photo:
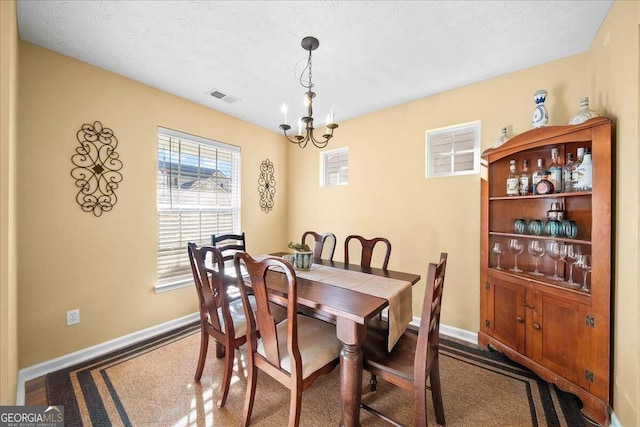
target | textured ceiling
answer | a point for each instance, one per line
(372, 54)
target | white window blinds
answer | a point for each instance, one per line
(453, 151)
(198, 194)
(334, 167)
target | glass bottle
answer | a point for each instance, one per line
(512, 180)
(538, 174)
(585, 176)
(574, 169)
(555, 171)
(524, 181)
(567, 175)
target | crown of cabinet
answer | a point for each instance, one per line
(545, 136)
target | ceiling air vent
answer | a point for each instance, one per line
(229, 99)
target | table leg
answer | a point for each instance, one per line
(351, 335)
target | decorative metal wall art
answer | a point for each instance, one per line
(97, 168)
(266, 185)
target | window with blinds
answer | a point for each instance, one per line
(334, 167)
(454, 150)
(198, 192)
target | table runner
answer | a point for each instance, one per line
(397, 292)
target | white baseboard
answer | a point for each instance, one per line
(88, 353)
(451, 331)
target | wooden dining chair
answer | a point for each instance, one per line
(367, 250)
(320, 240)
(413, 359)
(296, 351)
(220, 318)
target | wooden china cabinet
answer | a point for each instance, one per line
(559, 331)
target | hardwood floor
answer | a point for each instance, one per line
(35, 392)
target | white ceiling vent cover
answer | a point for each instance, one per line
(229, 99)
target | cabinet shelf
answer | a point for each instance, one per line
(531, 236)
(543, 196)
(541, 280)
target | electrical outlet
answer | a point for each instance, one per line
(73, 317)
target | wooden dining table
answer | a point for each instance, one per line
(351, 311)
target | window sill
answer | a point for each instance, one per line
(172, 286)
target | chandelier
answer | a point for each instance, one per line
(305, 123)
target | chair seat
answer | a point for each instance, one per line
(317, 342)
(239, 319)
(401, 358)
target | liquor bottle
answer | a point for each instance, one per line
(538, 174)
(574, 169)
(524, 181)
(567, 175)
(555, 171)
(512, 180)
(585, 177)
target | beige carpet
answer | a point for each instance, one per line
(151, 384)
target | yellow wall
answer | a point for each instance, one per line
(8, 262)
(389, 196)
(106, 266)
(612, 76)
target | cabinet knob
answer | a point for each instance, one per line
(528, 305)
(519, 319)
(536, 326)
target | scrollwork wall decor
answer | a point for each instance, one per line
(97, 168)
(266, 185)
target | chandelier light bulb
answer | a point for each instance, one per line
(284, 113)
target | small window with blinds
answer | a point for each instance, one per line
(334, 167)
(198, 194)
(454, 150)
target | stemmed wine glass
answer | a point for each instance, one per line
(536, 249)
(569, 254)
(498, 250)
(553, 250)
(515, 247)
(584, 263)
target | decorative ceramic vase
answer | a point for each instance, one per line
(302, 260)
(502, 138)
(584, 113)
(540, 115)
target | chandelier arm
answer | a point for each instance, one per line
(299, 142)
(317, 143)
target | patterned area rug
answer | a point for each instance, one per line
(151, 384)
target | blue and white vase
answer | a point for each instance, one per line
(302, 260)
(540, 115)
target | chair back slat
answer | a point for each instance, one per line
(229, 244)
(319, 243)
(368, 246)
(210, 287)
(260, 272)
